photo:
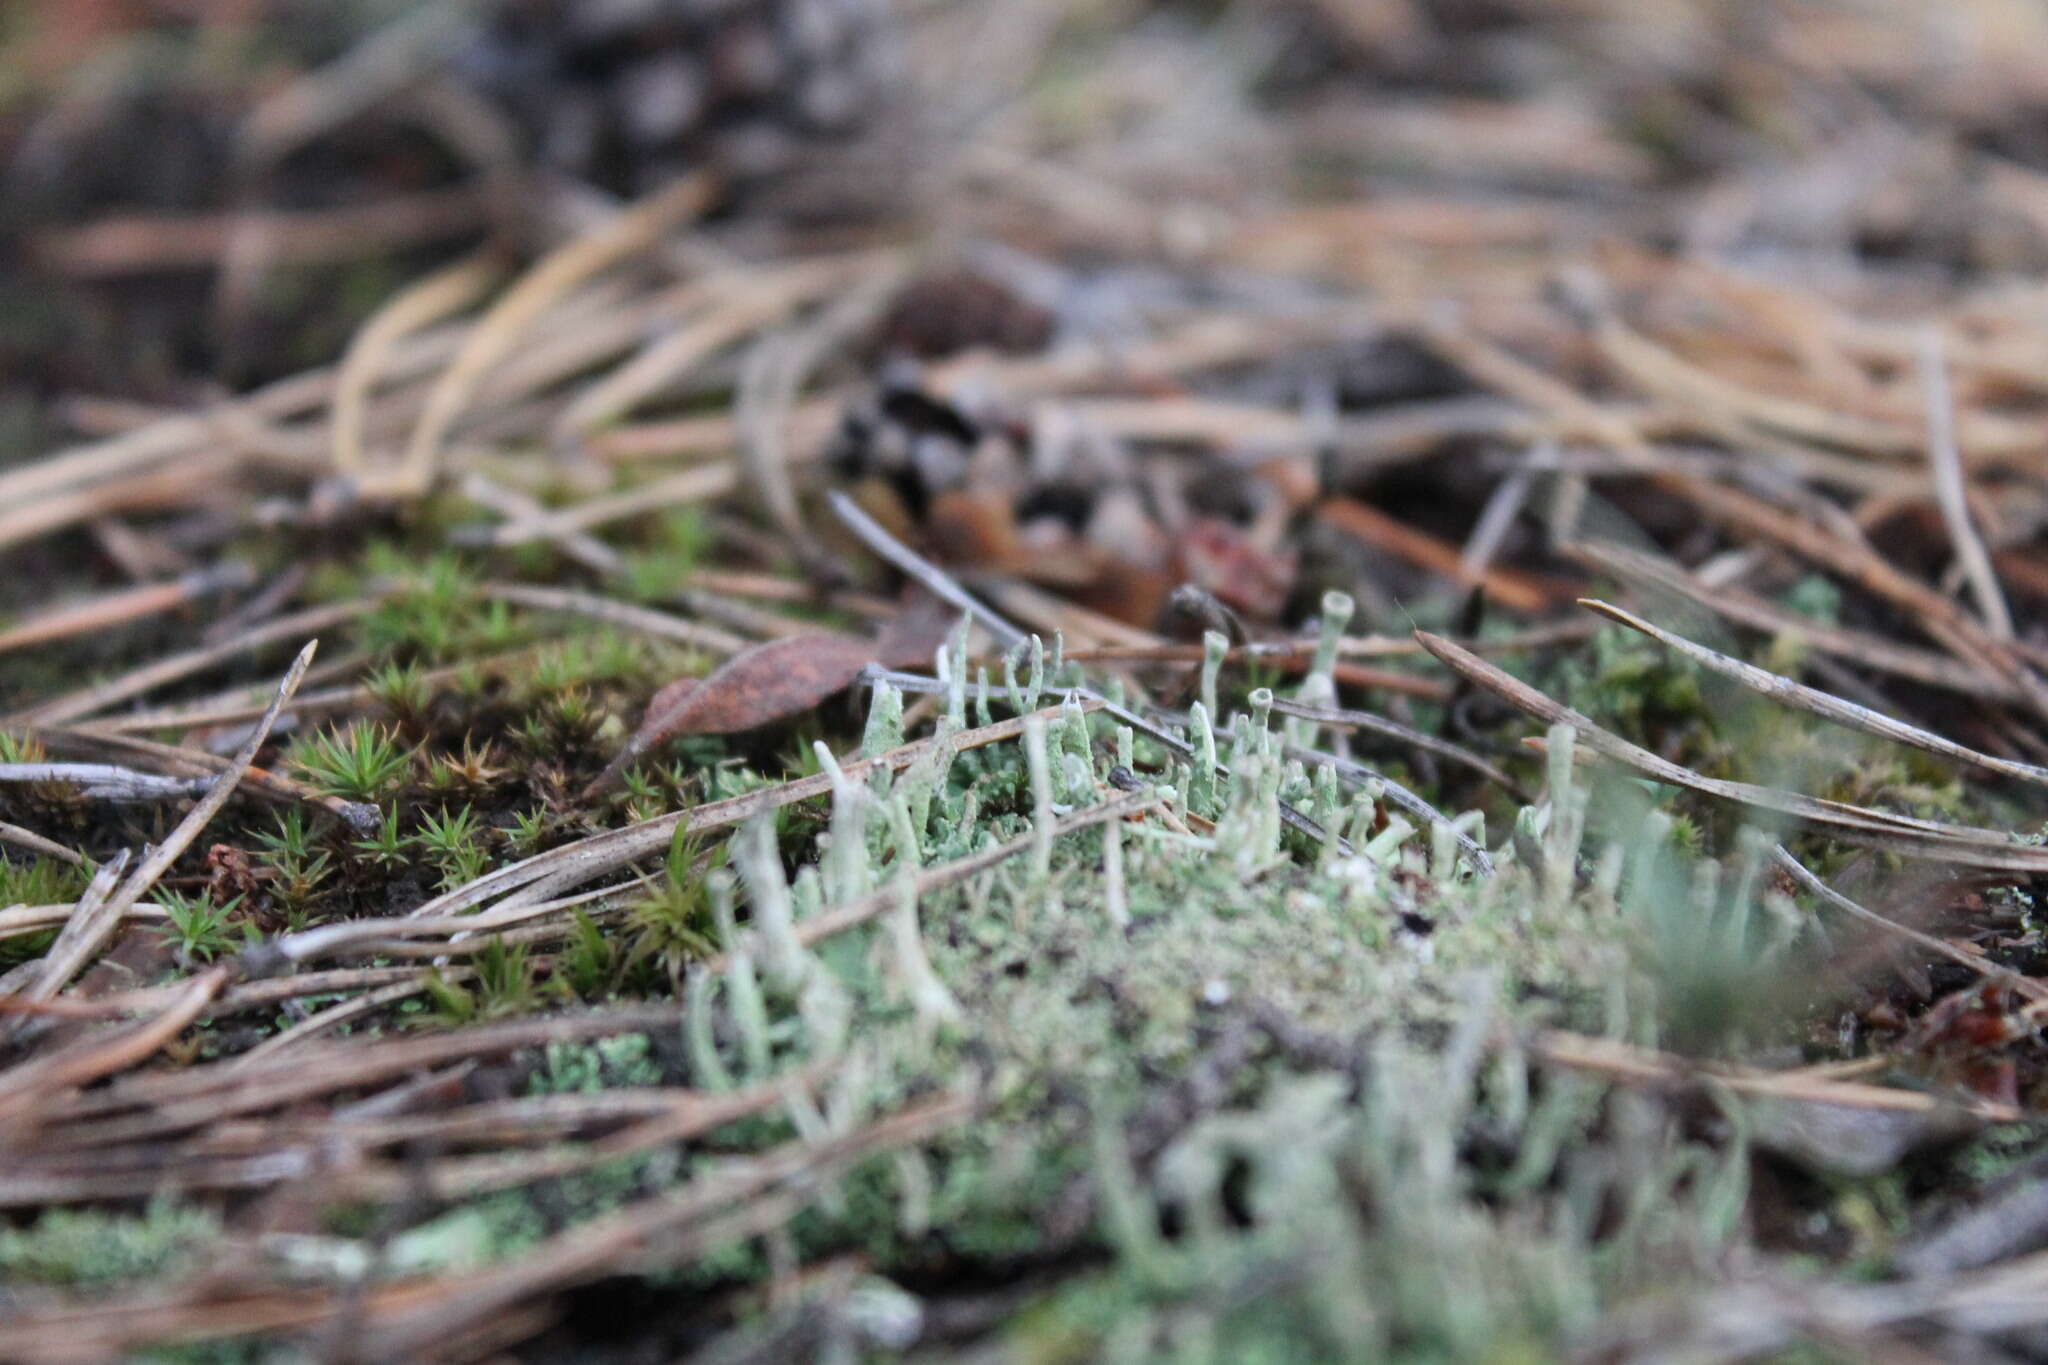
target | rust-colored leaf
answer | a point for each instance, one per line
(778, 679)
(769, 682)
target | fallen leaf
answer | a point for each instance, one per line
(778, 679)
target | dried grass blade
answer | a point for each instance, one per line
(36, 843)
(1799, 696)
(659, 625)
(572, 864)
(940, 584)
(1856, 824)
(1870, 651)
(32, 1085)
(85, 702)
(555, 275)
(684, 1221)
(1940, 947)
(419, 305)
(1951, 492)
(1629, 1064)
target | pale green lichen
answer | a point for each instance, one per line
(87, 1247)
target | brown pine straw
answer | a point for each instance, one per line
(554, 276)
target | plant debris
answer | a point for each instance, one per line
(1022, 681)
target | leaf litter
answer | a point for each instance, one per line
(1148, 974)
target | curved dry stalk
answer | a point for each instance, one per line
(17, 920)
(125, 605)
(555, 275)
(105, 781)
(698, 483)
(934, 580)
(335, 1016)
(1800, 697)
(173, 1101)
(1951, 493)
(729, 308)
(681, 1222)
(1858, 647)
(1358, 774)
(573, 864)
(33, 1084)
(382, 935)
(626, 615)
(1930, 839)
(420, 304)
(1942, 620)
(777, 368)
(1940, 947)
(1628, 1064)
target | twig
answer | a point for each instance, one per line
(697, 484)
(116, 246)
(104, 781)
(418, 305)
(75, 705)
(32, 1084)
(565, 867)
(36, 843)
(84, 934)
(1622, 1062)
(1860, 647)
(1392, 729)
(1517, 591)
(922, 571)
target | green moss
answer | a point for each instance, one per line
(39, 880)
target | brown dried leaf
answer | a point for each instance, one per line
(778, 679)
(769, 682)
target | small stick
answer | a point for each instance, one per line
(76, 705)
(31, 1085)
(29, 839)
(106, 782)
(515, 506)
(1628, 1064)
(418, 305)
(1858, 824)
(1393, 729)
(87, 931)
(939, 584)
(699, 483)
(1517, 591)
